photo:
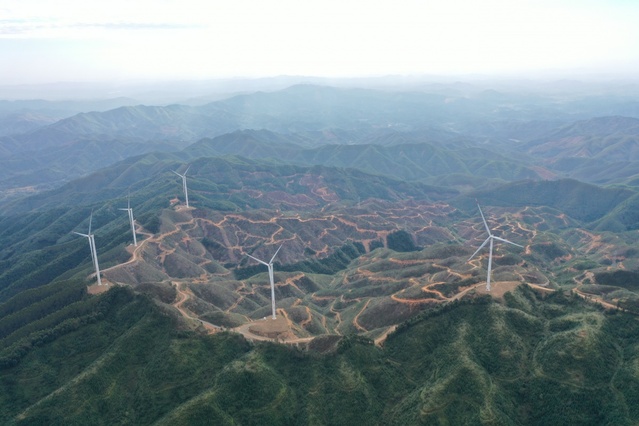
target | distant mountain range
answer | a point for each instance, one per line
(24, 116)
(491, 135)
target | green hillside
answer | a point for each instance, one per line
(216, 182)
(579, 200)
(526, 361)
(417, 160)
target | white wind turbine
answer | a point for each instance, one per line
(186, 193)
(269, 265)
(129, 210)
(490, 239)
(94, 254)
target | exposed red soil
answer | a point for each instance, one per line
(233, 235)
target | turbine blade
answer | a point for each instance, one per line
(271, 262)
(187, 169)
(90, 220)
(484, 219)
(506, 241)
(480, 247)
(84, 235)
(255, 258)
(177, 174)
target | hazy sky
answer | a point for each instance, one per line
(87, 40)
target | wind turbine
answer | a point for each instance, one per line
(186, 193)
(129, 210)
(94, 255)
(490, 239)
(269, 265)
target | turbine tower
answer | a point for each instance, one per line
(94, 255)
(490, 239)
(186, 193)
(131, 221)
(269, 265)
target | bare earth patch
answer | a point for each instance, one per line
(498, 289)
(97, 289)
(272, 328)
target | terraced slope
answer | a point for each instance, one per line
(345, 272)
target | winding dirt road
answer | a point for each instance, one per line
(233, 230)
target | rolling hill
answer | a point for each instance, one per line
(418, 161)
(370, 198)
(412, 135)
(526, 361)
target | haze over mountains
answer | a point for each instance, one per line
(372, 193)
(557, 137)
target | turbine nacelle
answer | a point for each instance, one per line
(128, 203)
(272, 258)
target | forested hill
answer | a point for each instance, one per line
(523, 361)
